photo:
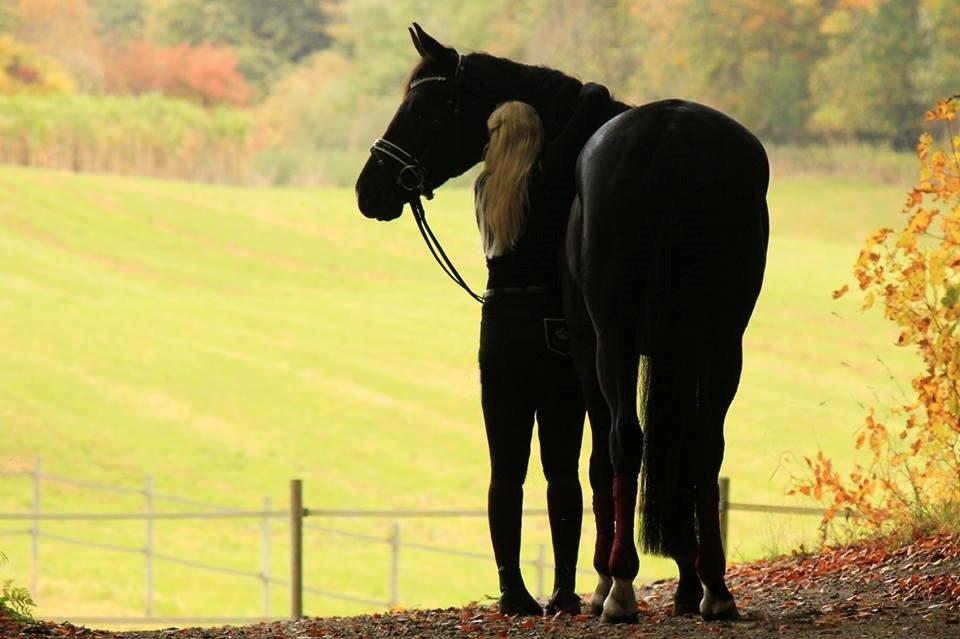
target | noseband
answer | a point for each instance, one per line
(413, 179)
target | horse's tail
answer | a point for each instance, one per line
(669, 415)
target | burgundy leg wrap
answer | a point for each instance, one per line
(603, 514)
(624, 561)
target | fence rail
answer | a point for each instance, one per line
(295, 515)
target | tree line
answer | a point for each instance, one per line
(320, 78)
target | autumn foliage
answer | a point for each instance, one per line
(913, 274)
(207, 74)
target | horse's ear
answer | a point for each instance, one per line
(428, 46)
(416, 42)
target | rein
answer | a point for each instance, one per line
(436, 249)
(413, 179)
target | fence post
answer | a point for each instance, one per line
(541, 568)
(35, 531)
(266, 558)
(148, 546)
(395, 565)
(724, 484)
(296, 548)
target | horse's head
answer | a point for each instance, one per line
(438, 132)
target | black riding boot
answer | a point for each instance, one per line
(564, 598)
(565, 504)
(515, 599)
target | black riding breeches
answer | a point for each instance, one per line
(526, 372)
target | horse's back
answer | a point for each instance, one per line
(675, 148)
(673, 197)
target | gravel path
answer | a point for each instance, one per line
(868, 590)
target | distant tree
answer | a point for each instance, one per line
(865, 85)
(9, 18)
(65, 30)
(268, 37)
(120, 19)
(598, 41)
(754, 59)
(940, 74)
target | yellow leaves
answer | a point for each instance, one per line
(938, 272)
(921, 220)
(913, 273)
(951, 235)
(945, 111)
(878, 237)
(914, 279)
(914, 198)
(923, 146)
(861, 438)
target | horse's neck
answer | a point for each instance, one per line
(552, 94)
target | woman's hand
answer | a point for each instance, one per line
(592, 91)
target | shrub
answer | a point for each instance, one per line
(206, 74)
(15, 602)
(23, 70)
(913, 274)
(144, 135)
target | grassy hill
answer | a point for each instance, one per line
(224, 340)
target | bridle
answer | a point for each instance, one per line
(414, 180)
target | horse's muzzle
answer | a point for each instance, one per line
(378, 208)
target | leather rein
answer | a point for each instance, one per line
(413, 179)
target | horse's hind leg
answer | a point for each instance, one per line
(719, 378)
(689, 593)
(584, 351)
(601, 478)
(601, 482)
(618, 360)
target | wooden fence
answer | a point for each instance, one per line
(298, 517)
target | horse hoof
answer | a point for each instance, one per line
(620, 606)
(605, 618)
(681, 608)
(600, 595)
(715, 609)
(563, 602)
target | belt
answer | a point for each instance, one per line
(516, 291)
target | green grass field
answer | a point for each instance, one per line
(225, 340)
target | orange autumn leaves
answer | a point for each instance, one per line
(914, 275)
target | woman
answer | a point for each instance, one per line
(523, 199)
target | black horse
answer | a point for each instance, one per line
(665, 255)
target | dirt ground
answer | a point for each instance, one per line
(869, 590)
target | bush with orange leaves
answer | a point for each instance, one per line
(913, 478)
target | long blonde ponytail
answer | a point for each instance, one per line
(516, 138)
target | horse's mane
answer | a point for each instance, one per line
(553, 93)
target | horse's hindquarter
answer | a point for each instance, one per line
(674, 215)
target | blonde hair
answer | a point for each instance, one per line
(516, 138)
